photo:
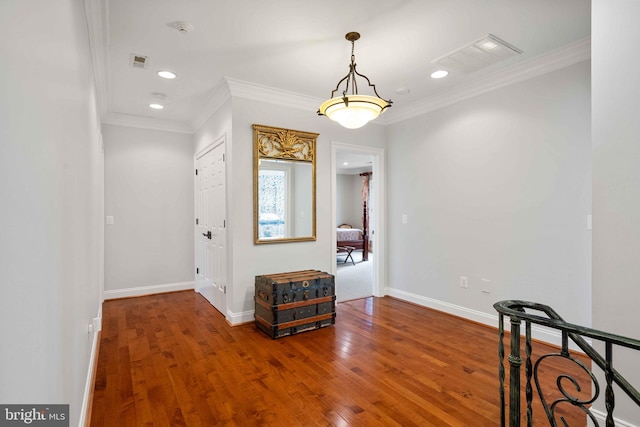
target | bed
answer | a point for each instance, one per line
(347, 235)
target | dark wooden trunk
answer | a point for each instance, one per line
(294, 302)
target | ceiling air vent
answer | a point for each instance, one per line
(478, 54)
(139, 61)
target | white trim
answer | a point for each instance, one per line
(456, 310)
(602, 417)
(216, 99)
(557, 59)
(379, 225)
(139, 291)
(146, 123)
(546, 63)
(547, 335)
(220, 140)
(240, 318)
(88, 386)
(271, 95)
(89, 383)
(97, 24)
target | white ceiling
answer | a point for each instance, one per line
(298, 46)
(353, 163)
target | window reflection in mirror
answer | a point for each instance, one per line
(273, 204)
(284, 199)
(284, 185)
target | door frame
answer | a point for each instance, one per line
(379, 217)
(222, 140)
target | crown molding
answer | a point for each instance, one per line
(97, 13)
(557, 59)
(147, 123)
(97, 24)
(216, 99)
(270, 95)
(546, 63)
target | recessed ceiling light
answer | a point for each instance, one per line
(345, 164)
(439, 74)
(167, 74)
(156, 106)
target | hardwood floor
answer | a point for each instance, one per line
(172, 360)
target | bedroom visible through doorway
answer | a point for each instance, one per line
(356, 216)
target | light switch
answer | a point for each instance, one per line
(404, 218)
(464, 282)
(109, 220)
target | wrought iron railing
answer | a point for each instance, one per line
(520, 311)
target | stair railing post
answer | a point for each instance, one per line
(503, 421)
(514, 373)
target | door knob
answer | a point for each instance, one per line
(207, 234)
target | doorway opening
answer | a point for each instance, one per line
(358, 198)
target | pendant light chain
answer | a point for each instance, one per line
(354, 86)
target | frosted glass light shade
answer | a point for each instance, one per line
(357, 112)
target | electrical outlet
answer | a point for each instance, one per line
(464, 282)
(97, 324)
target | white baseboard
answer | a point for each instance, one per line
(148, 290)
(547, 335)
(602, 417)
(239, 318)
(234, 319)
(88, 386)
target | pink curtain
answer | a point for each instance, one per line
(365, 193)
(365, 187)
(365, 212)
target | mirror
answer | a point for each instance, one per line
(284, 185)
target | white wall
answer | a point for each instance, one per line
(496, 187)
(616, 179)
(149, 179)
(218, 125)
(301, 211)
(50, 190)
(349, 200)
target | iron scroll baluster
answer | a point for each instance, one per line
(519, 311)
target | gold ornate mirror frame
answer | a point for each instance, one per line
(284, 185)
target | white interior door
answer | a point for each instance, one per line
(210, 228)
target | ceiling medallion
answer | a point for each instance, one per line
(353, 110)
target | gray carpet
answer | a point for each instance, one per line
(354, 281)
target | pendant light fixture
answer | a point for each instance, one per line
(353, 110)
